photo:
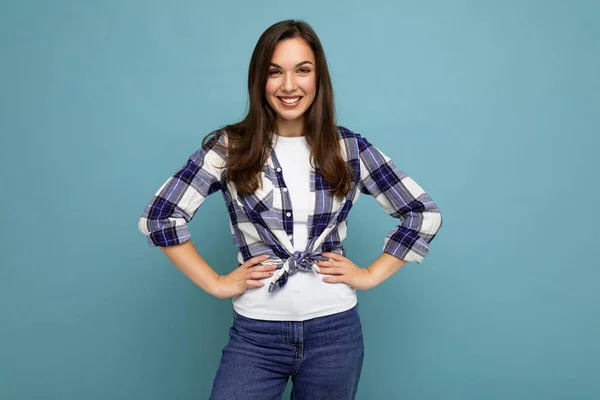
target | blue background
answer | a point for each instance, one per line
(492, 107)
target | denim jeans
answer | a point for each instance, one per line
(323, 356)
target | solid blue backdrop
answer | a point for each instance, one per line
(492, 107)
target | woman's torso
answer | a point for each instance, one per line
(305, 296)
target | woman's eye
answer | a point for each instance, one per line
(301, 70)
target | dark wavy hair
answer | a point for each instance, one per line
(249, 141)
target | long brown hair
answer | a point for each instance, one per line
(249, 141)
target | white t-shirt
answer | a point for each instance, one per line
(305, 295)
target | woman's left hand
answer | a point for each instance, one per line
(345, 271)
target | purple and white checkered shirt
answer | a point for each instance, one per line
(262, 222)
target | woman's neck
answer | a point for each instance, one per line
(290, 128)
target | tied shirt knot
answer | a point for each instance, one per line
(299, 261)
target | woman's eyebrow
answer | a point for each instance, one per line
(297, 65)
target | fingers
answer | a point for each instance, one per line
(331, 267)
(331, 270)
(251, 283)
(253, 278)
(259, 274)
(330, 263)
(333, 256)
(261, 271)
(261, 268)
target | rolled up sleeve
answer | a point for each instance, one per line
(401, 197)
(165, 218)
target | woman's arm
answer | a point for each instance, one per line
(383, 267)
(402, 198)
(249, 274)
(188, 260)
(166, 217)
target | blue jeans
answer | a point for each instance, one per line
(323, 356)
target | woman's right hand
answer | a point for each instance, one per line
(243, 277)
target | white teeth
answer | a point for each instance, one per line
(291, 101)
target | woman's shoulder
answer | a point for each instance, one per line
(352, 139)
(215, 142)
(346, 133)
(215, 138)
(212, 150)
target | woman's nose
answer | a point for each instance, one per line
(289, 83)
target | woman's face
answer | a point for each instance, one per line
(291, 80)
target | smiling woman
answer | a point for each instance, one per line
(290, 96)
(291, 85)
(290, 176)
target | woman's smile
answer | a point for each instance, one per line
(290, 101)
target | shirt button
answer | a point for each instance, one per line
(278, 169)
(290, 237)
(288, 214)
(284, 189)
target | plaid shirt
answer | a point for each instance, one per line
(262, 222)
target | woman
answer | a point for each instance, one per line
(289, 176)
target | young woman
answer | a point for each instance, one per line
(289, 177)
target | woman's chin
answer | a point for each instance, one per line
(288, 116)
